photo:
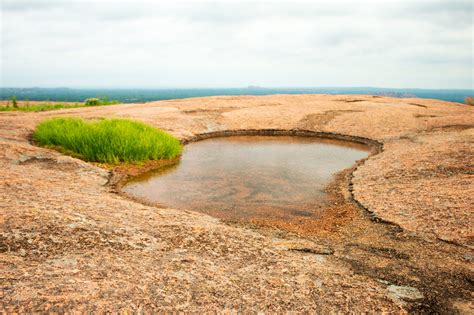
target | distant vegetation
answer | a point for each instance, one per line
(469, 100)
(26, 106)
(14, 102)
(99, 102)
(144, 95)
(38, 107)
(107, 141)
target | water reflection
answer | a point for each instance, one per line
(245, 177)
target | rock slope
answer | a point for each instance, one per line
(69, 241)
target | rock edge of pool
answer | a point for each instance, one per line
(396, 237)
(253, 176)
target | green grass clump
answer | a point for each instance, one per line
(107, 141)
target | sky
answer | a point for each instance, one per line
(167, 44)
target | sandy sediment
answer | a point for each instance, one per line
(397, 238)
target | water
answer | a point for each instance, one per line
(145, 95)
(250, 177)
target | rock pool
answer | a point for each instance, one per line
(250, 177)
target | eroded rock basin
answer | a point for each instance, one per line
(70, 243)
(250, 177)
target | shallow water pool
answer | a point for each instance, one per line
(250, 177)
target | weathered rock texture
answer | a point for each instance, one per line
(69, 241)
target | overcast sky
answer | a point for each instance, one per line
(51, 43)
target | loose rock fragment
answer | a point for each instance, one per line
(404, 293)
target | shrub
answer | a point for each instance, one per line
(92, 102)
(108, 141)
(99, 101)
(14, 102)
(469, 100)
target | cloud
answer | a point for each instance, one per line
(445, 14)
(282, 43)
(30, 5)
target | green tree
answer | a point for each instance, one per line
(92, 102)
(14, 102)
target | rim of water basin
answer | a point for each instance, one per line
(118, 180)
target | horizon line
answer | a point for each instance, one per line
(226, 87)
